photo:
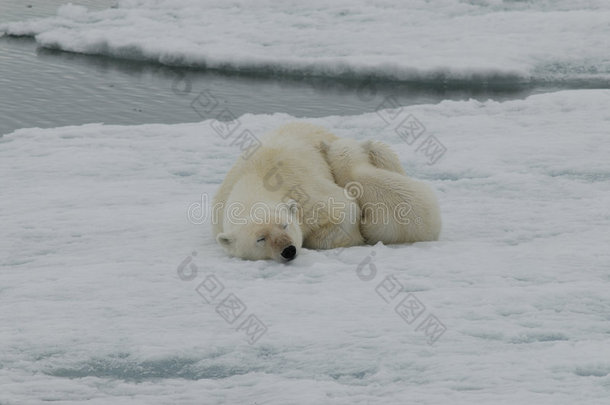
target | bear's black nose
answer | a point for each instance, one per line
(289, 253)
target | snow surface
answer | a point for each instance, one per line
(481, 40)
(95, 228)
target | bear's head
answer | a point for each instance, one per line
(267, 231)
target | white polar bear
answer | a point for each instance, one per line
(395, 208)
(283, 197)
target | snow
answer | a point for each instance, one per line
(482, 41)
(95, 229)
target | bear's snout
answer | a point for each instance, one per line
(283, 246)
(289, 253)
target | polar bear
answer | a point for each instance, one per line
(395, 208)
(284, 197)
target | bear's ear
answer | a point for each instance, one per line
(292, 206)
(225, 240)
(370, 149)
(382, 156)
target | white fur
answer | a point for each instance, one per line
(395, 208)
(290, 158)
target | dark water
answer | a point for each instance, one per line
(48, 88)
